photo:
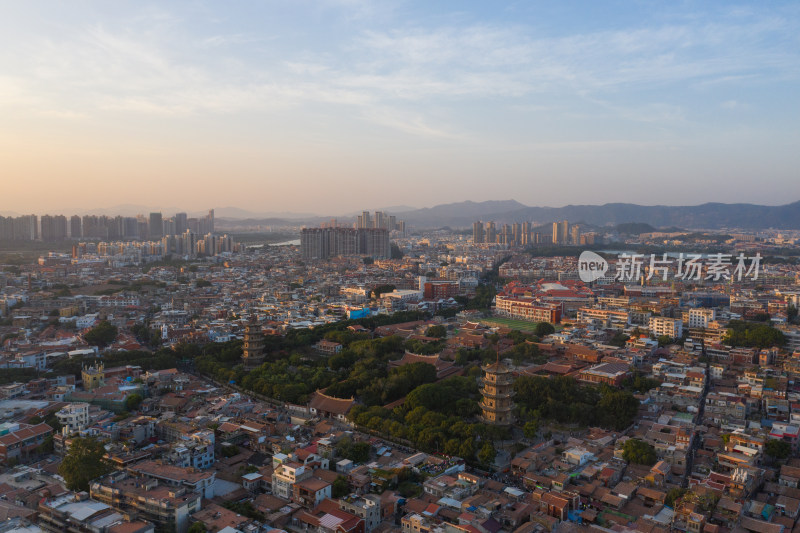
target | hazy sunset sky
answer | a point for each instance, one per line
(335, 106)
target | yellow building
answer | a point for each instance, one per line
(70, 310)
(93, 376)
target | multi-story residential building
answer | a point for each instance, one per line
(786, 432)
(22, 228)
(453, 487)
(491, 233)
(661, 325)
(75, 230)
(724, 406)
(560, 232)
(682, 397)
(700, 317)
(68, 513)
(527, 309)
(368, 508)
(196, 451)
(53, 228)
(323, 243)
(416, 523)
(146, 498)
(740, 438)
(577, 456)
(439, 288)
(12, 390)
(155, 226)
(73, 417)
(310, 492)
(616, 318)
(792, 335)
(285, 476)
(175, 476)
(612, 374)
(18, 441)
(478, 234)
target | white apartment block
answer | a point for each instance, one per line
(792, 338)
(285, 476)
(73, 417)
(661, 325)
(699, 318)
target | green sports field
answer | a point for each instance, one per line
(521, 325)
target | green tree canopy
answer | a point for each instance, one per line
(778, 449)
(380, 289)
(230, 451)
(340, 487)
(639, 452)
(436, 331)
(102, 334)
(358, 452)
(84, 462)
(674, 495)
(752, 334)
(133, 401)
(530, 429)
(197, 527)
(619, 339)
(563, 399)
(487, 453)
(544, 328)
(396, 252)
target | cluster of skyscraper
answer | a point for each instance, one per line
(323, 243)
(53, 228)
(368, 237)
(517, 234)
(380, 221)
(185, 244)
(521, 234)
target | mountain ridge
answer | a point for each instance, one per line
(710, 215)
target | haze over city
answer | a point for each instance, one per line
(327, 107)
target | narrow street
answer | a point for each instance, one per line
(698, 422)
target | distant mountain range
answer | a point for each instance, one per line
(709, 216)
(463, 214)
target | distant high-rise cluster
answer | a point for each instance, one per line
(517, 234)
(381, 220)
(323, 243)
(53, 228)
(187, 244)
(368, 237)
(522, 234)
(565, 233)
(24, 228)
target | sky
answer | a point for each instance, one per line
(334, 106)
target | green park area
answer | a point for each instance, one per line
(521, 325)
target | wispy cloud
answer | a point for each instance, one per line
(732, 104)
(391, 76)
